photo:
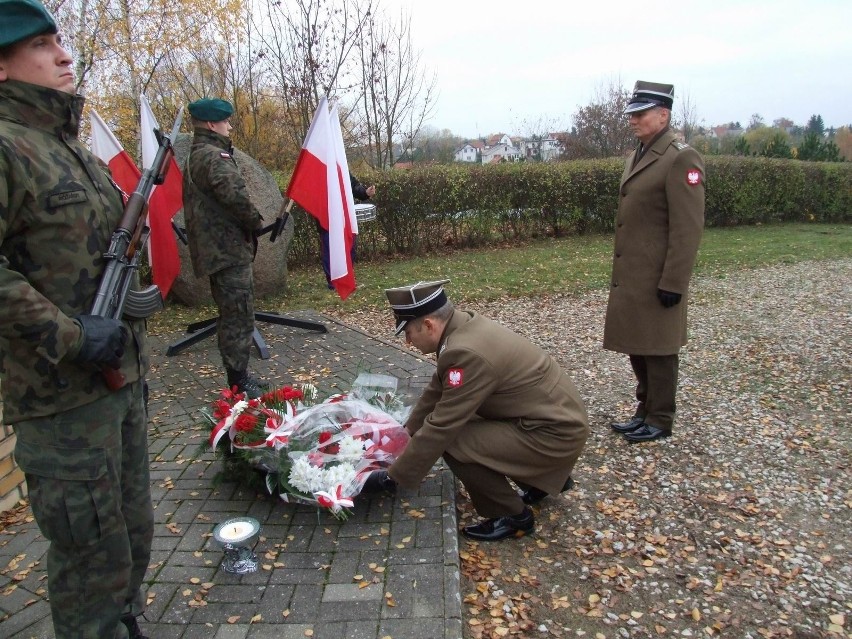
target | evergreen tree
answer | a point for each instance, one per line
(816, 125)
(742, 146)
(810, 149)
(815, 149)
(831, 152)
(777, 147)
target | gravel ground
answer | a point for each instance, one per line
(736, 526)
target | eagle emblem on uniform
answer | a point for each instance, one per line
(455, 377)
(693, 177)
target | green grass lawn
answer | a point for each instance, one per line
(570, 264)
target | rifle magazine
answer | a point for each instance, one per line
(144, 303)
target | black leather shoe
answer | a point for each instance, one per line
(533, 495)
(627, 427)
(379, 481)
(502, 527)
(647, 433)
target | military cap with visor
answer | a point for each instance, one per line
(415, 300)
(22, 19)
(211, 109)
(647, 95)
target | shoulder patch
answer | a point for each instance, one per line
(680, 146)
(223, 154)
(455, 377)
(693, 177)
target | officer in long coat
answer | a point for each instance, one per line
(498, 407)
(657, 232)
(83, 447)
(221, 222)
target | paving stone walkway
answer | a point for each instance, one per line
(314, 567)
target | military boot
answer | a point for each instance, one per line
(133, 630)
(244, 382)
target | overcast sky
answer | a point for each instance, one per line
(502, 63)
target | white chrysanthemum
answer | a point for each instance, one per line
(304, 477)
(351, 449)
(342, 474)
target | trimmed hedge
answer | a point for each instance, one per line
(438, 208)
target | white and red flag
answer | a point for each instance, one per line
(320, 184)
(166, 200)
(105, 146)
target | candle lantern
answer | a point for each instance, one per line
(237, 537)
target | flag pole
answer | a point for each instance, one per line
(277, 227)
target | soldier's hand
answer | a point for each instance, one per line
(103, 340)
(667, 298)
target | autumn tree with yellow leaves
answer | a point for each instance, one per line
(272, 60)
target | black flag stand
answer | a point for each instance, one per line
(198, 331)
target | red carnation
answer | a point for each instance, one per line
(245, 423)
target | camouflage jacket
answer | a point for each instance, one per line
(220, 217)
(58, 209)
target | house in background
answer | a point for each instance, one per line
(544, 148)
(498, 138)
(725, 131)
(501, 147)
(501, 152)
(470, 152)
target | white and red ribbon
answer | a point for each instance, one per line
(335, 501)
(227, 424)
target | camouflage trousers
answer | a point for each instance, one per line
(89, 489)
(233, 292)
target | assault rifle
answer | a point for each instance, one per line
(114, 298)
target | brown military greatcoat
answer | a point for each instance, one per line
(657, 232)
(498, 400)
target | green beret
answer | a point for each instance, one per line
(211, 109)
(22, 19)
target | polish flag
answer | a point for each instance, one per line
(107, 148)
(166, 200)
(320, 184)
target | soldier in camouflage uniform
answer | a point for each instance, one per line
(82, 447)
(221, 223)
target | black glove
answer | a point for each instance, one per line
(379, 481)
(103, 340)
(667, 298)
